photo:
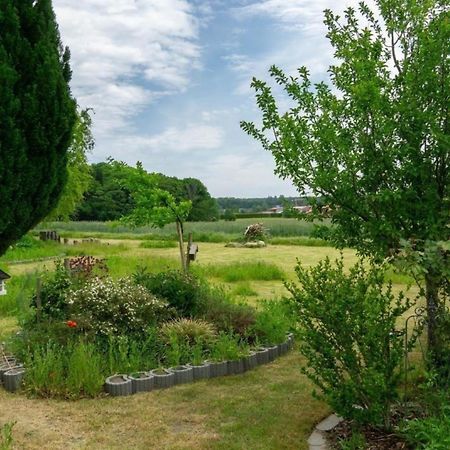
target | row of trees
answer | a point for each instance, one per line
(255, 205)
(108, 196)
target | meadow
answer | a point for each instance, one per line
(270, 407)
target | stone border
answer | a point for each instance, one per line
(171, 376)
(317, 440)
(185, 374)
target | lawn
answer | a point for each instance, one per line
(270, 407)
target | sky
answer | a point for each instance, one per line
(169, 80)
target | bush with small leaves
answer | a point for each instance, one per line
(181, 290)
(348, 329)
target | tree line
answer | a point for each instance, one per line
(109, 197)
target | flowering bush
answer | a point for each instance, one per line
(106, 306)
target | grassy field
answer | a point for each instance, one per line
(220, 231)
(271, 407)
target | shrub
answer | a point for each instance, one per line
(273, 321)
(38, 335)
(349, 337)
(52, 294)
(182, 291)
(227, 314)
(188, 330)
(106, 306)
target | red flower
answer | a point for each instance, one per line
(71, 324)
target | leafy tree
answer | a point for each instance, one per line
(37, 115)
(374, 143)
(204, 207)
(153, 206)
(79, 171)
(107, 197)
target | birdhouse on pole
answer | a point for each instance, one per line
(3, 277)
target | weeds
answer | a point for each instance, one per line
(244, 271)
(6, 438)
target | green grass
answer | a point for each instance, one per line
(19, 290)
(158, 244)
(277, 227)
(244, 289)
(244, 271)
(303, 241)
(122, 266)
(37, 251)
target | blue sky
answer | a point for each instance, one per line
(169, 80)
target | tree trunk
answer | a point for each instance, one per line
(181, 245)
(188, 260)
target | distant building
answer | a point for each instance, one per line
(275, 210)
(303, 209)
(3, 277)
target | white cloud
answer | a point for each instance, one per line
(115, 43)
(305, 14)
(193, 139)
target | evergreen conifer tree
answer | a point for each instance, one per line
(37, 115)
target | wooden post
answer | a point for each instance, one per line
(188, 259)
(181, 245)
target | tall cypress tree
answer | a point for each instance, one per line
(37, 114)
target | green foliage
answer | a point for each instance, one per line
(226, 347)
(182, 291)
(108, 307)
(431, 433)
(52, 294)
(229, 215)
(273, 321)
(360, 143)
(244, 289)
(227, 314)
(357, 441)
(38, 114)
(110, 197)
(70, 371)
(17, 300)
(124, 354)
(245, 271)
(248, 206)
(78, 169)
(374, 144)
(6, 437)
(107, 198)
(348, 328)
(204, 207)
(278, 227)
(301, 241)
(191, 331)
